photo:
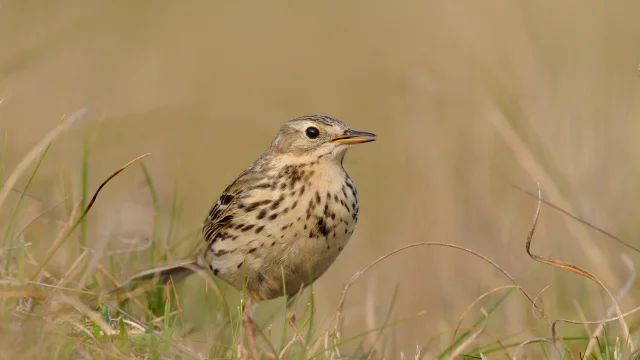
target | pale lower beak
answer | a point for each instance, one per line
(354, 137)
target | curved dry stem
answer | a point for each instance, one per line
(466, 312)
(333, 328)
(472, 337)
(533, 309)
(488, 334)
(78, 221)
(610, 310)
(569, 321)
(39, 148)
(522, 344)
(584, 222)
(575, 269)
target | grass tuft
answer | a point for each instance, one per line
(72, 319)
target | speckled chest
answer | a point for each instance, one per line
(297, 215)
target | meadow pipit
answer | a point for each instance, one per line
(284, 220)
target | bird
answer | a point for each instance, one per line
(285, 219)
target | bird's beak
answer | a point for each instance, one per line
(354, 137)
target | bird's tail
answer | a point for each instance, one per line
(175, 272)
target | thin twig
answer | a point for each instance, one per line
(584, 222)
(575, 269)
(78, 221)
(333, 328)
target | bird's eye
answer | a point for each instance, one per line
(312, 132)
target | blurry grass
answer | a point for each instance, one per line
(65, 324)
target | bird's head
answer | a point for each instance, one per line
(317, 137)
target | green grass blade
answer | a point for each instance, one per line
(156, 209)
(23, 193)
(4, 157)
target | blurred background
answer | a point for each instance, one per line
(467, 99)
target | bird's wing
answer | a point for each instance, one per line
(224, 210)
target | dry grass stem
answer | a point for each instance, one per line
(37, 150)
(472, 337)
(577, 270)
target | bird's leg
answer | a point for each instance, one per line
(247, 324)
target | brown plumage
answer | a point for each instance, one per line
(285, 219)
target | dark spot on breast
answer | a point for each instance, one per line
(273, 243)
(302, 188)
(220, 252)
(259, 229)
(311, 234)
(283, 186)
(305, 226)
(247, 227)
(260, 203)
(333, 216)
(239, 226)
(277, 203)
(322, 227)
(240, 265)
(216, 271)
(261, 214)
(318, 199)
(252, 250)
(326, 209)
(260, 278)
(295, 203)
(273, 216)
(335, 198)
(234, 237)
(340, 248)
(221, 236)
(344, 191)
